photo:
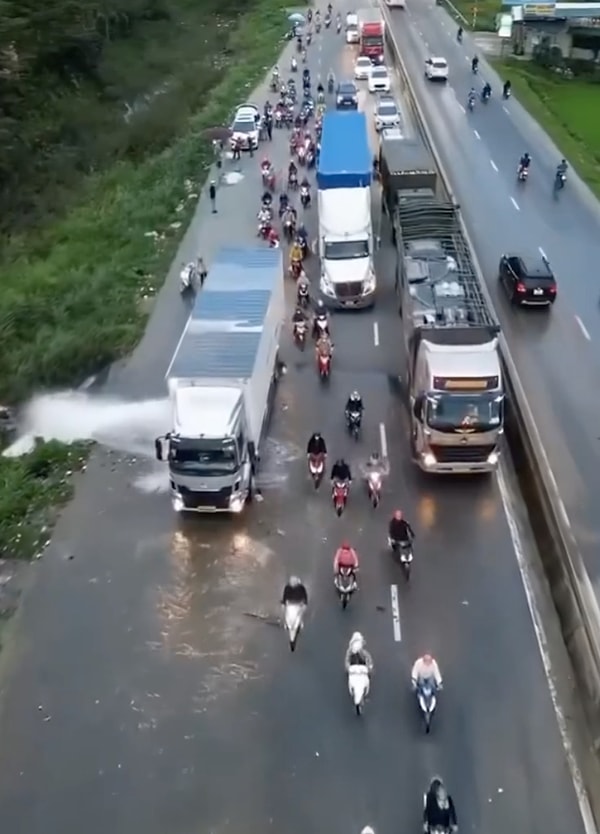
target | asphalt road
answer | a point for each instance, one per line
(150, 688)
(556, 353)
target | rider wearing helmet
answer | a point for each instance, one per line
(357, 654)
(376, 465)
(354, 404)
(340, 471)
(399, 529)
(316, 445)
(562, 167)
(439, 812)
(298, 316)
(320, 316)
(426, 669)
(525, 161)
(294, 592)
(475, 63)
(345, 557)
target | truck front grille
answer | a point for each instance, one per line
(349, 289)
(218, 499)
(462, 454)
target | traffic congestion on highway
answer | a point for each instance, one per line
(160, 693)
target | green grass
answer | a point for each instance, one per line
(566, 109)
(484, 20)
(72, 292)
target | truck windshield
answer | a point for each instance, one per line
(203, 457)
(343, 250)
(464, 412)
(372, 40)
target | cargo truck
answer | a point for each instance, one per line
(371, 33)
(352, 35)
(344, 177)
(454, 376)
(221, 382)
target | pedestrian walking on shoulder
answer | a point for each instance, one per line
(212, 193)
(202, 270)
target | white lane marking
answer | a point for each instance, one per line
(494, 166)
(383, 441)
(461, 107)
(477, 134)
(583, 328)
(515, 204)
(542, 253)
(542, 641)
(396, 614)
(376, 333)
(506, 110)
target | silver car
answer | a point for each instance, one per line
(386, 113)
(245, 128)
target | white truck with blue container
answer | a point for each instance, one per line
(344, 177)
(222, 380)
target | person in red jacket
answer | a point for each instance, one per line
(345, 557)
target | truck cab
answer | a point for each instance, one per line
(352, 34)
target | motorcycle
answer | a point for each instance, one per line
(303, 295)
(522, 173)
(289, 228)
(268, 178)
(353, 421)
(506, 94)
(310, 161)
(187, 278)
(358, 686)
(471, 103)
(427, 701)
(485, 96)
(321, 327)
(278, 117)
(323, 367)
(302, 154)
(559, 181)
(339, 495)
(327, 22)
(296, 269)
(338, 28)
(404, 548)
(316, 467)
(300, 334)
(345, 584)
(317, 28)
(294, 65)
(305, 196)
(330, 85)
(293, 615)
(374, 488)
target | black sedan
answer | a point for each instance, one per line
(528, 281)
(346, 97)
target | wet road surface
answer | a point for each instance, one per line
(152, 689)
(556, 352)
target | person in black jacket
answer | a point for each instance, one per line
(294, 592)
(316, 445)
(340, 471)
(354, 403)
(439, 811)
(399, 529)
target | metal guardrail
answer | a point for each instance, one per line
(571, 588)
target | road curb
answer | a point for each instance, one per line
(570, 584)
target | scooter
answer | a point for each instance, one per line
(303, 294)
(427, 701)
(522, 173)
(300, 334)
(353, 421)
(339, 496)
(559, 181)
(305, 195)
(293, 615)
(323, 367)
(316, 467)
(187, 278)
(374, 488)
(345, 584)
(404, 548)
(358, 686)
(321, 329)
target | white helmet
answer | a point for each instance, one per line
(367, 830)
(295, 581)
(357, 642)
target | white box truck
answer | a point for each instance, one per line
(344, 203)
(221, 382)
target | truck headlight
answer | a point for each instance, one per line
(326, 286)
(492, 458)
(429, 460)
(236, 503)
(178, 504)
(369, 283)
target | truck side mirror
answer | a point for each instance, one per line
(418, 407)
(161, 448)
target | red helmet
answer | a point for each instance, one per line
(398, 515)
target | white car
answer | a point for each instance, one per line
(245, 127)
(436, 69)
(362, 68)
(379, 80)
(386, 114)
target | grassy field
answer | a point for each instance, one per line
(72, 289)
(566, 109)
(485, 18)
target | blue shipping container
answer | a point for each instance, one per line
(345, 160)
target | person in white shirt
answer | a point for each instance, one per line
(426, 669)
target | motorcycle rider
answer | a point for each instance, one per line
(330, 81)
(345, 557)
(357, 654)
(298, 317)
(399, 529)
(439, 811)
(324, 347)
(294, 592)
(316, 445)
(506, 89)
(472, 97)
(320, 316)
(283, 203)
(459, 34)
(293, 64)
(376, 465)
(295, 253)
(486, 91)
(475, 63)
(562, 167)
(426, 669)
(292, 172)
(524, 162)
(340, 471)
(354, 404)
(302, 237)
(303, 292)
